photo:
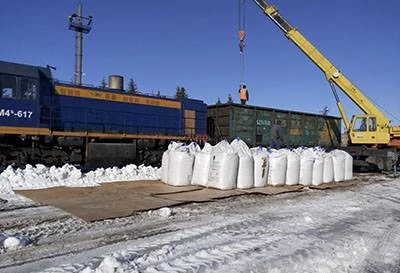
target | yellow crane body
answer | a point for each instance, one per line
(370, 128)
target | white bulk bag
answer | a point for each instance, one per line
(193, 148)
(306, 167)
(277, 168)
(318, 169)
(245, 177)
(176, 146)
(164, 167)
(180, 168)
(223, 171)
(173, 146)
(339, 165)
(223, 167)
(348, 168)
(201, 169)
(207, 148)
(293, 168)
(328, 169)
(260, 156)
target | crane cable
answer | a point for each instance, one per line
(242, 35)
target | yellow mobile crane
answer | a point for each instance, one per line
(371, 135)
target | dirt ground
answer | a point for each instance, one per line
(354, 229)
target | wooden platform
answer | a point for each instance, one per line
(121, 199)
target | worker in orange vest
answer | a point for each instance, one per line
(244, 94)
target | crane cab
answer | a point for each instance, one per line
(365, 130)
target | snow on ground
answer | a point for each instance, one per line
(353, 229)
(40, 176)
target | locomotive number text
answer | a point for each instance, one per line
(15, 113)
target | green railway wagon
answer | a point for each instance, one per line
(254, 125)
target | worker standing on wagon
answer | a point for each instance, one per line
(244, 94)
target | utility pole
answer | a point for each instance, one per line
(80, 25)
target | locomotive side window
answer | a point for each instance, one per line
(28, 88)
(12, 87)
(8, 86)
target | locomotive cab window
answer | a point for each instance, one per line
(8, 86)
(12, 87)
(28, 88)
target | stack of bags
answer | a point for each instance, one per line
(234, 165)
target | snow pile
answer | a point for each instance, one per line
(40, 177)
(165, 212)
(233, 165)
(13, 242)
(127, 173)
(109, 265)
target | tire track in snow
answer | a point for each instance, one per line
(248, 235)
(385, 258)
(194, 240)
(18, 219)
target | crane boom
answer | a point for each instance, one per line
(333, 75)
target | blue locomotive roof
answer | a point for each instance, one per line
(23, 70)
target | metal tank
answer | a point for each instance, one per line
(116, 82)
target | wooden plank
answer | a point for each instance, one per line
(271, 190)
(202, 195)
(109, 200)
(334, 185)
(121, 199)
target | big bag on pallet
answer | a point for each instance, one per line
(339, 165)
(348, 165)
(223, 167)
(180, 165)
(348, 170)
(318, 169)
(328, 169)
(164, 161)
(277, 168)
(306, 167)
(261, 161)
(245, 177)
(202, 166)
(293, 168)
(164, 167)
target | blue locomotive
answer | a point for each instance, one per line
(42, 120)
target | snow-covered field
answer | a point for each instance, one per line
(353, 229)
